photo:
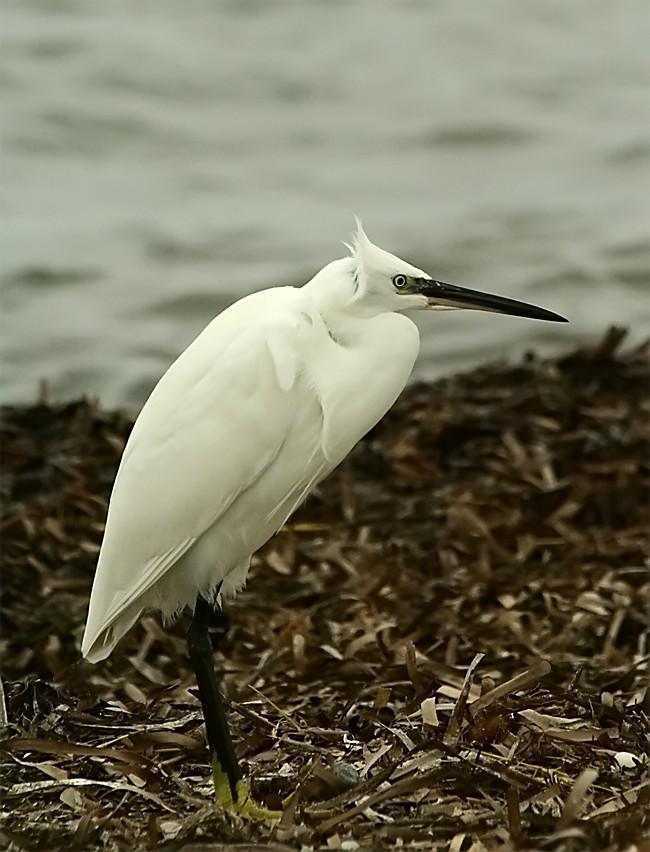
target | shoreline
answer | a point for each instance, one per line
(501, 512)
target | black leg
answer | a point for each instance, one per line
(219, 740)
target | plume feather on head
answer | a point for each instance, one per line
(359, 242)
(362, 251)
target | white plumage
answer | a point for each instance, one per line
(268, 399)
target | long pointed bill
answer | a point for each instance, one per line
(450, 296)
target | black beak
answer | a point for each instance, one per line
(451, 296)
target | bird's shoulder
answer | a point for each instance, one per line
(276, 307)
(229, 358)
(242, 331)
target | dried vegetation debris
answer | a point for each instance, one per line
(445, 648)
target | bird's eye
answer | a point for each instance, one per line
(399, 281)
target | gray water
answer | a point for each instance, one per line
(161, 159)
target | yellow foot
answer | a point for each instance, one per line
(243, 804)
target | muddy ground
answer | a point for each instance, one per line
(446, 648)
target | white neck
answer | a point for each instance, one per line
(335, 293)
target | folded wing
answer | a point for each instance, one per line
(212, 426)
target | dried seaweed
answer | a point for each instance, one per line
(446, 647)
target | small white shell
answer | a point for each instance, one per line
(626, 760)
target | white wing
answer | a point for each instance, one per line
(214, 423)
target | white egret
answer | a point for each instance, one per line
(267, 400)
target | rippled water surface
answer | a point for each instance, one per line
(162, 159)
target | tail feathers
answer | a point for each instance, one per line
(98, 645)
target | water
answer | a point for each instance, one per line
(158, 164)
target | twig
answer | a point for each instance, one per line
(521, 681)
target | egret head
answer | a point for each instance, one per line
(384, 278)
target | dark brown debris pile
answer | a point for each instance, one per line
(445, 648)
